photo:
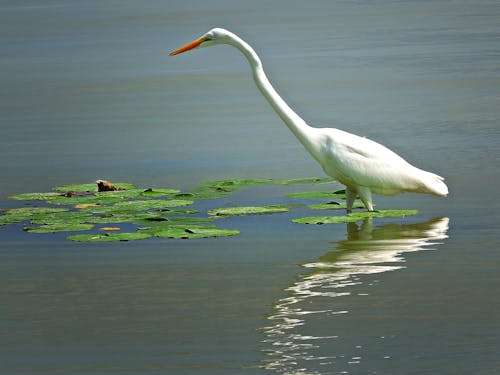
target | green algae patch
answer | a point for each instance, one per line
(354, 217)
(249, 210)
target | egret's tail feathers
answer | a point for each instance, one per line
(434, 184)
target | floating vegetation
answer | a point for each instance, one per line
(109, 237)
(250, 210)
(353, 217)
(334, 205)
(189, 231)
(36, 196)
(16, 215)
(80, 188)
(98, 211)
(318, 194)
(59, 227)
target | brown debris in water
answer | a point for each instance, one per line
(103, 185)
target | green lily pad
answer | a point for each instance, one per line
(59, 227)
(236, 184)
(353, 217)
(109, 236)
(186, 220)
(168, 211)
(249, 210)
(215, 189)
(159, 192)
(151, 225)
(15, 215)
(334, 205)
(121, 194)
(145, 219)
(35, 196)
(84, 199)
(305, 181)
(204, 193)
(63, 217)
(141, 205)
(318, 194)
(190, 231)
(80, 188)
(138, 193)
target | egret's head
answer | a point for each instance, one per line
(211, 38)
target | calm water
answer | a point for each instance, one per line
(87, 92)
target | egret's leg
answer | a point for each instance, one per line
(366, 196)
(350, 196)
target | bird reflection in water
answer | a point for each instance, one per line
(367, 250)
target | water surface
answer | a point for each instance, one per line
(88, 92)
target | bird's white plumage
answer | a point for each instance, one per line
(362, 165)
(357, 161)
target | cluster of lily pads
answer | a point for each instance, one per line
(132, 213)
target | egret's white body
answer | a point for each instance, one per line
(362, 165)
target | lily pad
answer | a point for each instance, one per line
(236, 184)
(353, 217)
(109, 236)
(249, 210)
(139, 193)
(334, 205)
(15, 215)
(159, 192)
(204, 193)
(111, 218)
(190, 231)
(121, 194)
(62, 217)
(187, 221)
(305, 181)
(141, 205)
(59, 227)
(215, 189)
(84, 200)
(318, 194)
(35, 196)
(80, 188)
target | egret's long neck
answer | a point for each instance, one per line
(294, 122)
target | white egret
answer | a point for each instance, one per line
(362, 165)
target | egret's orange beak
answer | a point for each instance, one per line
(189, 46)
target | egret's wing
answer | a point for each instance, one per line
(362, 162)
